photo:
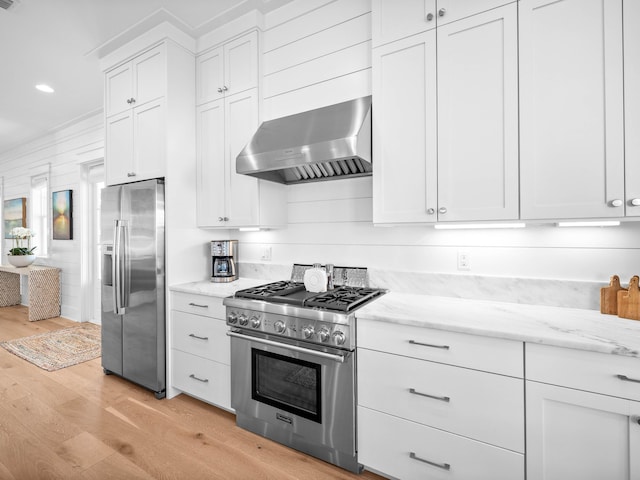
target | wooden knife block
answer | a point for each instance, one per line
(629, 300)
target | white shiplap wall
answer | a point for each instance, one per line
(64, 151)
(317, 53)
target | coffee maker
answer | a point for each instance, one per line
(223, 260)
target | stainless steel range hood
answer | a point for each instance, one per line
(328, 143)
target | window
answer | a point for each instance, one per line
(39, 213)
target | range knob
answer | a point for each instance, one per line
(308, 331)
(232, 318)
(339, 337)
(324, 335)
(279, 326)
(243, 320)
(255, 321)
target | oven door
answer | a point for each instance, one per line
(301, 396)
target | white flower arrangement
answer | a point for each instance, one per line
(19, 234)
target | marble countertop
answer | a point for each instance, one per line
(220, 290)
(558, 326)
(562, 327)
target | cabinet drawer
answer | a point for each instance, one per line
(479, 405)
(584, 370)
(480, 353)
(202, 336)
(205, 379)
(199, 304)
(385, 443)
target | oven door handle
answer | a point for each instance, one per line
(330, 356)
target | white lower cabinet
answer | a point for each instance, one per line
(200, 349)
(426, 411)
(583, 415)
(408, 450)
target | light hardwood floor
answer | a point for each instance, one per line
(77, 423)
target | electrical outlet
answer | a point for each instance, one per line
(266, 254)
(464, 260)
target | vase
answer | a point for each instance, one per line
(21, 260)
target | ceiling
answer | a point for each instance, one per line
(59, 42)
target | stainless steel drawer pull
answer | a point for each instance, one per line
(627, 379)
(191, 304)
(435, 397)
(193, 335)
(444, 347)
(203, 380)
(444, 466)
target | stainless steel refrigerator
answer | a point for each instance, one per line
(133, 283)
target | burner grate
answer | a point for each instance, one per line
(343, 298)
(271, 290)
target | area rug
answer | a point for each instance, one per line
(59, 348)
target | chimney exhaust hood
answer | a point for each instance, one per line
(327, 143)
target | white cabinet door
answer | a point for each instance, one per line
(209, 76)
(119, 147)
(404, 130)
(242, 191)
(149, 76)
(571, 109)
(118, 89)
(241, 64)
(229, 69)
(478, 117)
(210, 164)
(632, 105)
(148, 138)
(393, 20)
(576, 434)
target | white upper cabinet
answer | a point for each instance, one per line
(571, 109)
(632, 104)
(393, 19)
(396, 19)
(448, 152)
(135, 118)
(404, 130)
(136, 82)
(229, 69)
(478, 117)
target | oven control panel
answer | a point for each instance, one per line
(315, 331)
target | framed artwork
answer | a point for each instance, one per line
(62, 205)
(15, 214)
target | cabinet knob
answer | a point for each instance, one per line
(219, 90)
(442, 210)
(431, 211)
(635, 202)
(129, 101)
(616, 203)
(220, 219)
(226, 219)
(224, 88)
(441, 12)
(429, 16)
(131, 174)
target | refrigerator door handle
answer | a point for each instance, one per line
(118, 282)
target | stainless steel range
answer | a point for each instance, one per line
(293, 365)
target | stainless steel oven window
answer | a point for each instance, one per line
(291, 384)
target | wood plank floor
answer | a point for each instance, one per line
(77, 423)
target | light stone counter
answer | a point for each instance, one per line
(220, 290)
(562, 327)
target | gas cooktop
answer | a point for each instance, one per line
(341, 299)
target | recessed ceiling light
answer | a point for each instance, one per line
(44, 88)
